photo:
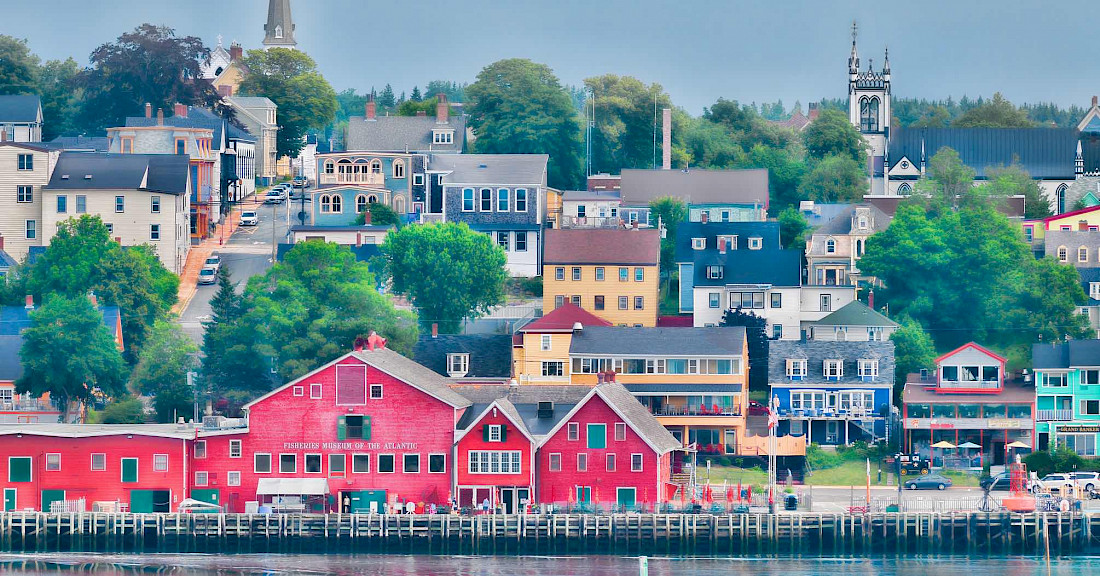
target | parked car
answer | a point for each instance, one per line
(1002, 481)
(757, 409)
(911, 464)
(928, 482)
(208, 275)
(249, 218)
(214, 261)
(275, 196)
(1088, 481)
(300, 181)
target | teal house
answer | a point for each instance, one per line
(1067, 389)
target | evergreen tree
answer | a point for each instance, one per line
(386, 99)
(756, 333)
(415, 96)
(230, 364)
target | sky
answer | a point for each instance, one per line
(698, 50)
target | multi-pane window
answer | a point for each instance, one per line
(486, 200)
(807, 400)
(777, 299)
(26, 162)
(160, 462)
(1090, 377)
(502, 240)
(573, 431)
(1053, 380)
(81, 204)
(752, 300)
(495, 462)
(796, 368)
(714, 300)
(154, 231)
(576, 273)
(599, 273)
(582, 462)
(868, 369)
(24, 194)
(559, 273)
(458, 363)
(639, 274)
(99, 462)
(467, 199)
(598, 302)
(636, 462)
(120, 203)
(502, 200)
(202, 478)
(610, 464)
(624, 302)
(546, 340)
(154, 204)
(620, 431)
(53, 462)
(833, 369)
(521, 199)
(234, 448)
(521, 241)
(553, 369)
(555, 462)
(1082, 254)
(639, 303)
(714, 272)
(233, 478)
(62, 204)
(624, 274)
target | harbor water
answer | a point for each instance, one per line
(440, 565)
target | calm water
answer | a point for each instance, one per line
(423, 565)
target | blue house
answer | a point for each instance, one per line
(348, 181)
(832, 392)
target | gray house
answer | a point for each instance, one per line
(21, 118)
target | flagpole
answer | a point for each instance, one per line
(868, 485)
(773, 425)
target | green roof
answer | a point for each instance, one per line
(855, 313)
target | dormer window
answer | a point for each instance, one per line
(698, 243)
(714, 272)
(756, 243)
(862, 223)
(868, 369)
(278, 31)
(458, 365)
(796, 369)
(443, 136)
(833, 369)
(830, 246)
(1094, 290)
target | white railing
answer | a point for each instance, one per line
(1049, 415)
(77, 505)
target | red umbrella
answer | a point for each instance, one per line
(738, 490)
(729, 494)
(571, 494)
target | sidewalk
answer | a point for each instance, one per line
(198, 254)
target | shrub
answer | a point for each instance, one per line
(126, 411)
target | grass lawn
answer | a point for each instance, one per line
(847, 474)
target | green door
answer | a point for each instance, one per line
(626, 498)
(129, 469)
(9, 499)
(141, 501)
(51, 496)
(208, 495)
(584, 494)
(361, 501)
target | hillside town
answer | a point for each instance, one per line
(244, 291)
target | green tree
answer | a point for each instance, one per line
(792, 227)
(380, 215)
(623, 133)
(415, 95)
(57, 85)
(995, 113)
(18, 67)
(937, 117)
(162, 369)
(386, 99)
(415, 107)
(447, 270)
(310, 308)
(833, 134)
(518, 106)
(913, 350)
(785, 173)
(835, 178)
(231, 365)
(349, 104)
(756, 334)
(68, 352)
(82, 257)
(1015, 181)
(291, 80)
(150, 64)
(949, 183)
(122, 411)
(672, 212)
(454, 91)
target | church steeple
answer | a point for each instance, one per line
(853, 60)
(279, 30)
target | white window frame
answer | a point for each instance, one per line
(698, 243)
(620, 427)
(320, 461)
(796, 368)
(298, 391)
(103, 466)
(521, 199)
(637, 462)
(365, 457)
(373, 387)
(202, 478)
(554, 458)
(295, 455)
(495, 432)
(316, 391)
(160, 462)
(868, 369)
(233, 478)
(378, 465)
(458, 364)
(200, 449)
(756, 243)
(56, 466)
(154, 232)
(235, 448)
(404, 462)
(546, 342)
(833, 369)
(582, 461)
(573, 431)
(270, 463)
(433, 454)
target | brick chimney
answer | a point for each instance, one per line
(148, 110)
(30, 302)
(371, 108)
(1094, 101)
(367, 217)
(179, 110)
(814, 111)
(93, 299)
(359, 343)
(435, 330)
(160, 117)
(1083, 226)
(235, 52)
(3, 135)
(442, 109)
(871, 299)
(1, 242)
(374, 341)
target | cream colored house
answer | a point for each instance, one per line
(24, 170)
(259, 116)
(142, 198)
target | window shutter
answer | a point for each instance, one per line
(503, 433)
(485, 432)
(342, 428)
(366, 428)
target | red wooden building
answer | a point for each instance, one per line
(608, 450)
(142, 468)
(369, 427)
(495, 456)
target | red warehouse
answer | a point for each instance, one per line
(608, 450)
(369, 427)
(142, 468)
(495, 457)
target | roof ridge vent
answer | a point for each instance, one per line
(87, 176)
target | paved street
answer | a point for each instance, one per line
(246, 254)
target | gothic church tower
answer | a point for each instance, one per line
(279, 30)
(869, 110)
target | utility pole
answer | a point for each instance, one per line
(195, 391)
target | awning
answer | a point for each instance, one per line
(292, 486)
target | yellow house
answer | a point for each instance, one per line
(540, 350)
(613, 273)
(1086, 219)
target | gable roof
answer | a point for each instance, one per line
(1066, 354)
(855, 313)
(686, 252)
(510, 169)
(636, 416)
(602, 246)
(815, 352)
(509, 410)
(15, 319)
(779, 268)
(490, 354)
(525, 400)
(614, 340)
(563, 318)
(1055, 218)
(975, 346)
(21, 108)
(167, 173)
(1043, 152)
(842, 222)
(745, 187)
(83, 143)
(403, 134)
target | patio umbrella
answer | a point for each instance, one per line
(943, 445)
(1017, 444)
(968, 445)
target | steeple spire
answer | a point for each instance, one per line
(279, 30)
(886, 63)
(853, 60)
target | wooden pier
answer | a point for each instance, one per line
(799, 533)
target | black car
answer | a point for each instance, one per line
(1001, 481)
(928, 482)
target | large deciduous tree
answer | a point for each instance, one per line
(625, 115)
(290, 79)
(448, 271)
(835, 178)
(518, 106)
(913, 350)
(310, 308)
(833, 134)
(757, 337)
(162, 369)
(994, 113)
(672, 212)
(18, 67)
(68, 352)
(61, 97)
(1013, 180)
(150, 64)
(792, 227)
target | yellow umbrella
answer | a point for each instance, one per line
(1017, 444)
(943, 444)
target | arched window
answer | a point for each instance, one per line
(372, 199)
(330, 168)
(859, 247)
(1083, 254)
(337, 204)
(376, 166)
(343, 171)
(360, 170)
(399, 204)
(905, 189)
(830, 246)
(360, 203)
(1063, 254)
(1061, 195)
(868, 114)
(398, 168)
(326, 204)
(278, 31)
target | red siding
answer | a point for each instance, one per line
(405, 420)
(474, 440)
(78, 479)
(556, 486)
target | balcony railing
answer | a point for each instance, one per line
(829, 413)
(695, 411)
(591, 222)
(26, 405)
(1053, 415)
(970, 384)
(359, 179)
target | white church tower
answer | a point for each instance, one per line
(869, 111)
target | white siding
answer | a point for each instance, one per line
(14, 215)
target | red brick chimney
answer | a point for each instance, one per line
(814, 111)
(180, 110)
(148, 110)
(435, 330)
(1083, 226)
(367, 217)
(371, 109)
(442, 109)
(94, 300)
(235, 52)
(871, 299)
(1094, 101)
(374, 341)
(30, 302)
(160, 117)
